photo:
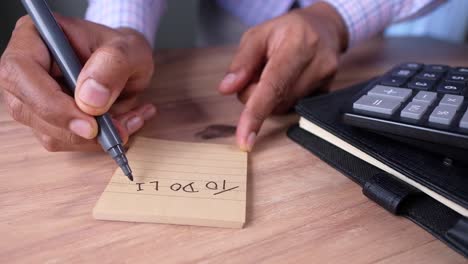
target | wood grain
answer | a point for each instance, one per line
(299, 209)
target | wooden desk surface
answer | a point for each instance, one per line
(299, 208)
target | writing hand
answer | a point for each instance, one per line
(118, 66)
(282, 60)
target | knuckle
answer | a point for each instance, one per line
(15, 97)
(115, 53)
(304, 38)
(73, 139)
(47, 113)
(300, 33)
(330, 67)
(257, 116)
(16, 109)
(50, 143)
(298, 20)
(311, 40)
(138, 41)
(333, 65)
(9, 72)
(277, 87)
(278, 90)
(69, 138)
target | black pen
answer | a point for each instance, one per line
(70, 66)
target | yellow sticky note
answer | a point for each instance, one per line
(178, 183)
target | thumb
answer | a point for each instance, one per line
(117, 65)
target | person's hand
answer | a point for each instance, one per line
(118, 65)
(282, 60)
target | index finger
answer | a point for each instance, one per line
(279, 75)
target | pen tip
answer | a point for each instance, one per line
(130, 177)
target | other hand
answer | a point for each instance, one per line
(282, 60)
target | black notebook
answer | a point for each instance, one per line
(403, 179)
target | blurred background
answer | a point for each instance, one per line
(177, 29)
(185, 22)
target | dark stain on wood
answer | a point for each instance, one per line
(216, 131)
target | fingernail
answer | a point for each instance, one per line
(82, 128)
(133, 124)
(228, 80)
(149, 112)
(250, 141)
(94, 94)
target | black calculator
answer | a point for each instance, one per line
(425, 105)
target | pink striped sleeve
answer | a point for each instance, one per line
(366, 18)
(141, 15)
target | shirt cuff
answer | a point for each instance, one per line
(363, 19)
(141, 15)
(366, 18)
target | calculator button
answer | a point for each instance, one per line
(436, 68)
(379, 105)
(464, 121)
(403, 73)
(414, 110)
(460, 70)
(451, 87)
(393, 81)
(400, 94)
(452, 100)
(432, 76)
(411, 66)
(421, 84)
(443, 115)
(457, 77)
(425, 97)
